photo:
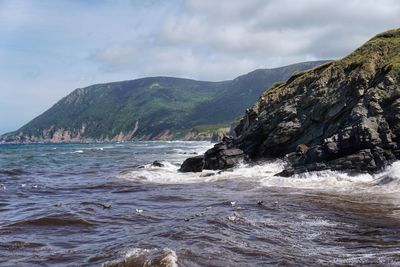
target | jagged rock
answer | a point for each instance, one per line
(344, 115)
(157, 163)
(222, 156)
(194, 164)
(363, 160)
(302, 149)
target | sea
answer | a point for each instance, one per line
(106, 204)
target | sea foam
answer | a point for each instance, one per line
(265, 174)
(146, 257)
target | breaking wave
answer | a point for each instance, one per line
(265, 175)
(146, 257)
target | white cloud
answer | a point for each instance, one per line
(208, 37)
(48, 47)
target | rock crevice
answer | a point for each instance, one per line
(344, 115)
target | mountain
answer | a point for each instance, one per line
(151, 108)
(343, 115)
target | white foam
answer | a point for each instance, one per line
(264, 175)
(179, 150)
(389, 180)
(266, 169)
(170, 259)
(162, 257)
(317, 222)
(394, 170)
(168, 174)
(320, 180)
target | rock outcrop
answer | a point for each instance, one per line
(223, 155)
(344, 115)
(193, 164)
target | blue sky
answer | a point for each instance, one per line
(50, 47)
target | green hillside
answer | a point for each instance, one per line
(150, 108)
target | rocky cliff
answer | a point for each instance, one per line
(343, 115)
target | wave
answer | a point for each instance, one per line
(264, 173)
(89, 149)
(320, 180)
(386, 181)
(168, 174)
(20, 245)
(145, 257)
(54, 220)
(13, 172)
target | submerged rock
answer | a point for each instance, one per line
(105, 205)
(207, 174)
(157, 163)
(344, 115)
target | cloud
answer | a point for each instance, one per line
(48, 48)
(208, 37)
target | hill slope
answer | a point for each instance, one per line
(150, 108)
(343, 115)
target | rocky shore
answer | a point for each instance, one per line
(343, 115)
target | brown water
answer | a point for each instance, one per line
(90, 205)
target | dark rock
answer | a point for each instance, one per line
(366, 160)
(207, 174)
(384, 180)
(343, 115)
(105, 205)
(157, 163)
(223, 156)
(194, 164)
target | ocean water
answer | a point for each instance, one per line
(106, 205)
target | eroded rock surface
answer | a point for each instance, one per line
(344, 115)
(223, 155)
(193, 164)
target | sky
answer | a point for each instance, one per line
(48, 48)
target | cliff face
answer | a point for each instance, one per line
(343, 115)
(60, 135)
(162, 108)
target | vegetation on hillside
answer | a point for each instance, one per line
(152, 107)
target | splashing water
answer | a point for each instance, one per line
(63, 207)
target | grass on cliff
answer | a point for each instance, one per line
(211, 128)
(385, 45)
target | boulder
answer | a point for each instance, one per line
(222, 156)
(193, 164)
